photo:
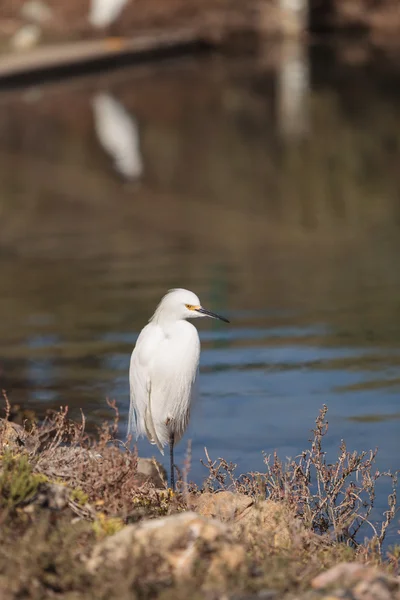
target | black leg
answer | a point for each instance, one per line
(171, 460)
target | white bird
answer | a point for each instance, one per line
(163, 371)
(104, 12)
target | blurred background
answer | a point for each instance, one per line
(259, 168)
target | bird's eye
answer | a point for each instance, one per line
(189, 306)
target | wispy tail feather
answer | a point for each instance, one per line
(133, 428)
(149, 424)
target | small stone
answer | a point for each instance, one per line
(53, 496)
(343, 574)
(365, 582)
(150, 471)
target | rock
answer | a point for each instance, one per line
(36, 11)
(344, 573)
(365, 582)
(149, 470)
(251, 519)
(180, 540)
(26, 37)
(381, 587)
(272, 519)
(225, 506)
(53, 496)
(12, 434)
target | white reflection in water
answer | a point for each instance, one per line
(104, 12)
(293, 90)
(118, 133)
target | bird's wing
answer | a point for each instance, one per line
(173, 372)
(140, 385)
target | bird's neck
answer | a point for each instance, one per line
(164, 319)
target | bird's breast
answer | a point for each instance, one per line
(178, 355)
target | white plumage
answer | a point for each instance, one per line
(163, 371)
(104, 12)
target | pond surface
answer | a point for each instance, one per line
(270, 187)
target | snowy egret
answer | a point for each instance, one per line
(104, 12)
(163, 371)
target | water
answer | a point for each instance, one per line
(272, 190)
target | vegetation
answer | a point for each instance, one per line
(63, 492)
(330, 498)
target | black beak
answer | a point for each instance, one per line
(203, 311)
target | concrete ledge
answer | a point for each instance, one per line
(60, 57)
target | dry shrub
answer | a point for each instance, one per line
(331, 498)
(101, 467)
(335, 499)
(100, 471)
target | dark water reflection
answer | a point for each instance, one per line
(272, 194)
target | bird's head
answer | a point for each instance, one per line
(182, 304)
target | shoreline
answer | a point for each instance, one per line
(82, 519)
